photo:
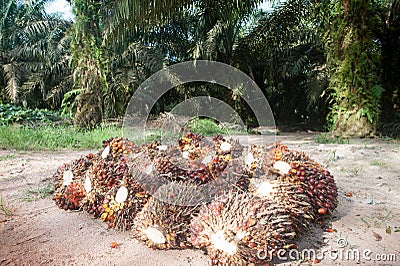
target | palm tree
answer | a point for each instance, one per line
(284, 55)
(129, 16)
(35, 55)
(354, 58)
(89, 63)
(217, 31)
(150, 22)
(128, 69)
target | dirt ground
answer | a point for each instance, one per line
(39, 233)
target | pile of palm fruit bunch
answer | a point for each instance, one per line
(286, 192)
(101, 184)
(239, 204)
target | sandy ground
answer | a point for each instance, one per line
(41, 234)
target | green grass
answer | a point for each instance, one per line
(33, 194)
(208, 127)
(47, 137)
(356, 171)
(5, 211)
(326, 138)
(382, 165)
(378, 220)
(7, 157)
(205, 127)
(54, 138)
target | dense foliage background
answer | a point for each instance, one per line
(330, 64)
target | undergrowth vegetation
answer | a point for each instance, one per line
(33, 194)
(327, 138)
(4, 210)
(54, 137)
(10, 114)
(44, 135)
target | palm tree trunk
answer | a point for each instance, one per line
(355, 75)
(88, 60)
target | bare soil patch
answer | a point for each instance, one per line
(41, 234)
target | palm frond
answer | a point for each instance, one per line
(127, 17)
(55, 96)
(12, 76)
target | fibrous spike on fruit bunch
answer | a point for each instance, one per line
(277, 188)
(164, 221)
(235, 227)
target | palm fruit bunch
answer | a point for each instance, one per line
(317, 183)
(226, 150)
(112, 193)
(72, 196)
(260, 197)
(114, 201)
(68, 182)
(135, 201)
(232, 177)
(196, 159)
(73, 171)
(252, 165)
(254, 157)
(236, 228)
(106, 174)
(121, 204)
(222, 160)
(226, 146)
(172, 166)
(164, 221)
(117, 147)
(93, 203)
(152, 149)
(289, 192)
(143, 169)
(194, 146)
(95, 186)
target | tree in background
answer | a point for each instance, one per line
(284, 55)
(292, 52)
(354, 57)
(181, 30)
(89, 63)
(34, 49)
